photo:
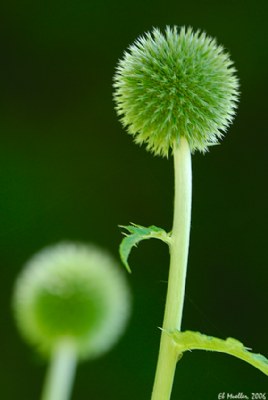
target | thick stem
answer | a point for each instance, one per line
(177, 273)
(60, 376)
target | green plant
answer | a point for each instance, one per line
(177, 91)
(71, 302)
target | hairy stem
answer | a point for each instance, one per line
(177, 273)
(60, 376)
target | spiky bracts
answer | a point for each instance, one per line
(174, 84)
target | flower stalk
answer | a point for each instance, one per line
(179, 246)
(61, 372)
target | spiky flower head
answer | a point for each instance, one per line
(174, 84)
(74, 292)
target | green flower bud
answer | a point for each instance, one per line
(180, 83)
(74, 292)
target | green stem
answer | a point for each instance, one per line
(60, 376)
(179, 246)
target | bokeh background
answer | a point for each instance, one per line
(69, 171)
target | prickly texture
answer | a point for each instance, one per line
(75, 292)
(174, 84)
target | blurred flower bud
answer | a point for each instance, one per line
(75, 292)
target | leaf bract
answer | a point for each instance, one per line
(189, 340)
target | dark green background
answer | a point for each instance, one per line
(68, 171)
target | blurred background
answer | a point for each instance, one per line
(69, 171)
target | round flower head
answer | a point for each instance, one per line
(180, 83)
(75, 292)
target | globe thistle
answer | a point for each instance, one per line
(74, 292)
(175, 84)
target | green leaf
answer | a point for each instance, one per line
(135, 234)
(189, 340)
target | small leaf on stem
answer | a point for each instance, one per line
(137, 233)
